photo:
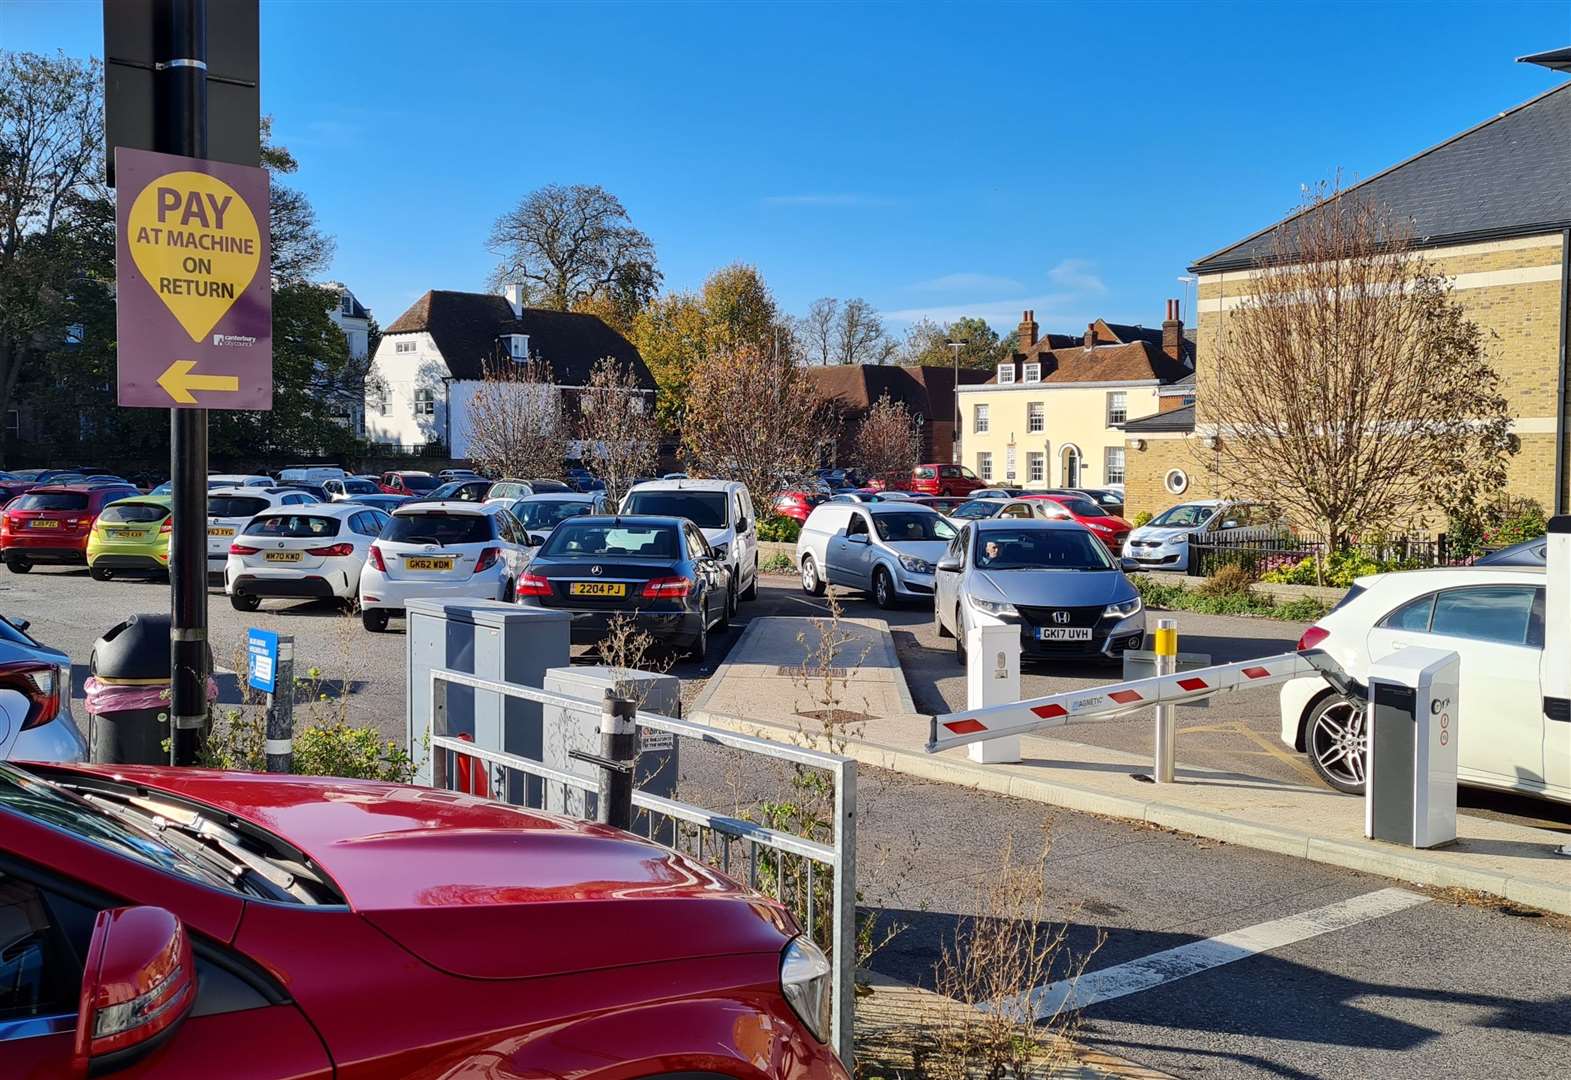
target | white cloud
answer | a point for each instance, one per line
(1052, 309)
(845, 199)
(1077, 274)
(952, 283)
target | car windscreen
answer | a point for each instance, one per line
(133, 513)
(439, 528)
(233, 506)
(972, 511)
(1081, 507)
(359, 487)
(917, 525)
(420, 483)
(292, 526)
(706, 509)
(546, 513)
(1040, 549)
(1185, 515)
(460, 491)
(51, 500)
(607, 540)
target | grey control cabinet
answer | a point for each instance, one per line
(567, 730)
(491, 640)
(1410, 795)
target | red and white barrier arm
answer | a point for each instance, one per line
(1103, 702)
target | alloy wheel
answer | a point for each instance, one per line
(1338, 744)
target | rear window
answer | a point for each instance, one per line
(441, 529)
(420, 483)
(51, 500)
(706, 509)
(612, 540)
(970, 510)
(292, 525)
(134, 513)
(925, 472)
(1082, 507)
(360, 487)
(233, 506)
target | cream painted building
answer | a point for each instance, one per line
(1053, 414)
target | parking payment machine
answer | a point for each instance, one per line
(1410, 795)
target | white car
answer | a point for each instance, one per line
(887, 549)
(722, 510)
(35, 700)
(300, 553)
(1163, 542)
(1493, 619)
(986, 509)
(442, 549)
(349, 487)
(230, 508)
(232, 480)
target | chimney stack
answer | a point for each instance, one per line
(1173, 333)
(514, 292)
(1090, 335)
(1027, 331)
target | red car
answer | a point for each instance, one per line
(407, 483)
(796, 505)
(1112, 531)
(185, 923)
(940, 479)
(50, 524)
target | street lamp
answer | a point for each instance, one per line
(954, 439)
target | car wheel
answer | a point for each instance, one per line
(374, 619)
(97, 573)
(938, 624)
(960, 636)
(727, 609)
(245, 601)
(1337, 741)
(751, 592)
(509, 595)
(883, 589)
(698, 651)
(18, 564)
(812, 584)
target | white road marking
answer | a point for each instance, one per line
(1197, 956)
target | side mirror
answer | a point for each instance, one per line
(951, 564)
(1229, 524)
(1128, 566)
(742, 524)
(20, 624)
(138, 984)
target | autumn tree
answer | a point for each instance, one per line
(570, 244)
(888, 442)
(927, 344)
(515, 425)
(1350, 389)
(849, 332)
(752, 416)
(617, 427)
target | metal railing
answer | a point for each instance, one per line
(789, 867)
(1260, 552)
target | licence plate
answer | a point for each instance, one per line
(597, 588)
(124, 534)
(219, 531)
(284, 556)
(1063, 633)
(428, 564)
(43, 523)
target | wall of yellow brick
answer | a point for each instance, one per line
(1147, 469)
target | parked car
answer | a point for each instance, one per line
(723, 509)
(441, 549)
(349, 488)
(940, 479)
(509, 489)
(1000, 493)
(1053, 579)
(797, 505)
(12, 485)
(445, 475)
(234, 903)
(944, 504)
(1163, 542)
(313, 552)
(385, 503)
(869, 495)
(317, 492)
(1109, 499)
(228, 480)
(311, 474)
(406, 482)
(539, 514)
(51, 524)
(1109, 529)
(580, 479)
(230, 509)
(131, 536)
(983, 509)
(657, 570)
(35, 703)
(162, 489)
(887, 549)
(1528, 553)
(1493, 619)
(544, 484)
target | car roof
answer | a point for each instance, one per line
(165, 501)
(625, 519)
(897, 506)
(75, 489)
(686, 485)
(238, 489)
(448, 506)
(561, 496)
(317, 509)
(989, 524)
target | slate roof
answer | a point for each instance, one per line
(1181, 419)
(466, 327)
(1505, 177)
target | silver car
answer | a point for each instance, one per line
(35, 700)
(1053, 579)
(886, 548)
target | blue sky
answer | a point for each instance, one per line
(934, 159)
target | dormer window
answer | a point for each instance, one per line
(1006, 374)
(1033, 373)
(517, 346)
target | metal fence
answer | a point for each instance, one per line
(800, 871)
(1262, 554)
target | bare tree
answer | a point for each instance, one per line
(569, 244)
(1350, 388)
(617, 424)
(888, 441)
(515, 420)
(815, 331)
(753, 417)
(843, 333)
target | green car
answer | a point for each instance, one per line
(130, 535)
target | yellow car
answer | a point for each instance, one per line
(130, 535)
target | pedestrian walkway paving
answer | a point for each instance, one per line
(1502, 858)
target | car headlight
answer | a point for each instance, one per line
(805, 981)
(721, 550)
(1181, 538)
(916, 565)
(1124, 610)
(993, 607)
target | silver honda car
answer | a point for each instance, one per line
(1054, 579)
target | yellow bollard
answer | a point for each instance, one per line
(1166, 727)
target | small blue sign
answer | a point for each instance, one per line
(261, 650)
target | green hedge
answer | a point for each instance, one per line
(1157, 594)
(779, 530)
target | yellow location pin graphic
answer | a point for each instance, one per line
(197, 245)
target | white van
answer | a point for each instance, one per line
(311, 474)
(722, 509)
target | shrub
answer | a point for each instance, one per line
(341, 749)
(777, 564)
(1228, 579)
(1502, 522)
(779, 529)
(1210, 599)
(1143, 518)
(1341, 568)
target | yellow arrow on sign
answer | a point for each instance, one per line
(178, 381)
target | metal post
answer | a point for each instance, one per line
(619, 748)
(1166, 664)
(181, 96)
(843, 928)
(281, 710)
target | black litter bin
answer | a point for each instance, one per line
(128, 694)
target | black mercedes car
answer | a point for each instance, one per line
(659, 571)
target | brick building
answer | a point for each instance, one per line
(1491, 208)
(926, 392)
